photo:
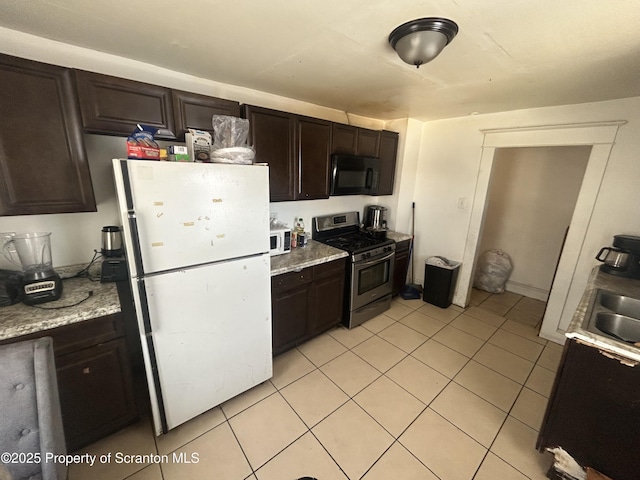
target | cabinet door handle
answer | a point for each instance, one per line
(86, 370)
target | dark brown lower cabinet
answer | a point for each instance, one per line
(94, 397)
(290, 308)
(306, 303)
(94, 378)
(401, 266)
(594, 411)
(327, 296)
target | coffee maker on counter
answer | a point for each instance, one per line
(623, 259)
(114, 265)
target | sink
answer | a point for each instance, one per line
(615, 316)
(619, 326)
(627, 306)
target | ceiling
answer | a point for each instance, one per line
(508, 54)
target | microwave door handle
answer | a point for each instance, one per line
(369, 179)
(279, 242)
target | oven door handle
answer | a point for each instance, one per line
(375, 260)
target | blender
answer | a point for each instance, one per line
(39, 283)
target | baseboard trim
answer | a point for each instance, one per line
(527, 290)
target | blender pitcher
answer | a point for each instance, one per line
(33, 251)
(41, 283)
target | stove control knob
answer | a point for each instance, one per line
(363, 256)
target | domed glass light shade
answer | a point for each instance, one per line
(420, 41)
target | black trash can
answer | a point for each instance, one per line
(440, 276)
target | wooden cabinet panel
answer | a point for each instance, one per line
(297, 150)
(290, 309)
(94, 399)
(272, 135)
(306, 303)
(90, 332)
(594, 412)
(196, 111)
(344, 139)
(368, 142)
(115, 106)
(314, 144)
(352, 140)
(327, 296)
(42, 156)
(401, 266)
(387, 154)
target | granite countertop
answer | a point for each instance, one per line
(600, 280)
(20, 319)
(314, 253)
(398, 236)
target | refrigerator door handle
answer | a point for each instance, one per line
(144, 306)
(124, 168)
(135, 240)
(146, 321)
(133, 220)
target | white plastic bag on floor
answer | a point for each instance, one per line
(492, 271)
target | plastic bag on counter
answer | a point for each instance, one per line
(492, 271)
(230, 140)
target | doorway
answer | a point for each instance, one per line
(570, 278)
(531, 199)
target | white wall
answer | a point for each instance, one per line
(76, 235)
(449, 167)
(532, 196)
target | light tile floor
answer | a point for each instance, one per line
(419, 392)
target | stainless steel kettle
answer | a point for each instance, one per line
(375, 217)
(111, 241)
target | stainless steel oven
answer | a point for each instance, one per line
(371, 285)
(370, 270)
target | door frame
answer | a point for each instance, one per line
(562, 299)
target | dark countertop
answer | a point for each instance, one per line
(600, 280)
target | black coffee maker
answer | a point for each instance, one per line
(114, 265)
(623, 259)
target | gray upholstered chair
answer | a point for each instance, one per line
(30, 418)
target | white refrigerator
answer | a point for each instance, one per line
(197, 246)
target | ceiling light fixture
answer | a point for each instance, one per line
(420, 41)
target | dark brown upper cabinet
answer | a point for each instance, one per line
(42, 155)
(272, 135)
(387, 155)
(196, 111)
(114, 106)
(344, 139)
(355, 140)
(313, 142)
(297, 150)
(368, 142)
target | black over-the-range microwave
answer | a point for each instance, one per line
(354, 175)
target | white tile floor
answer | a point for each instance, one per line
(417, 393)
